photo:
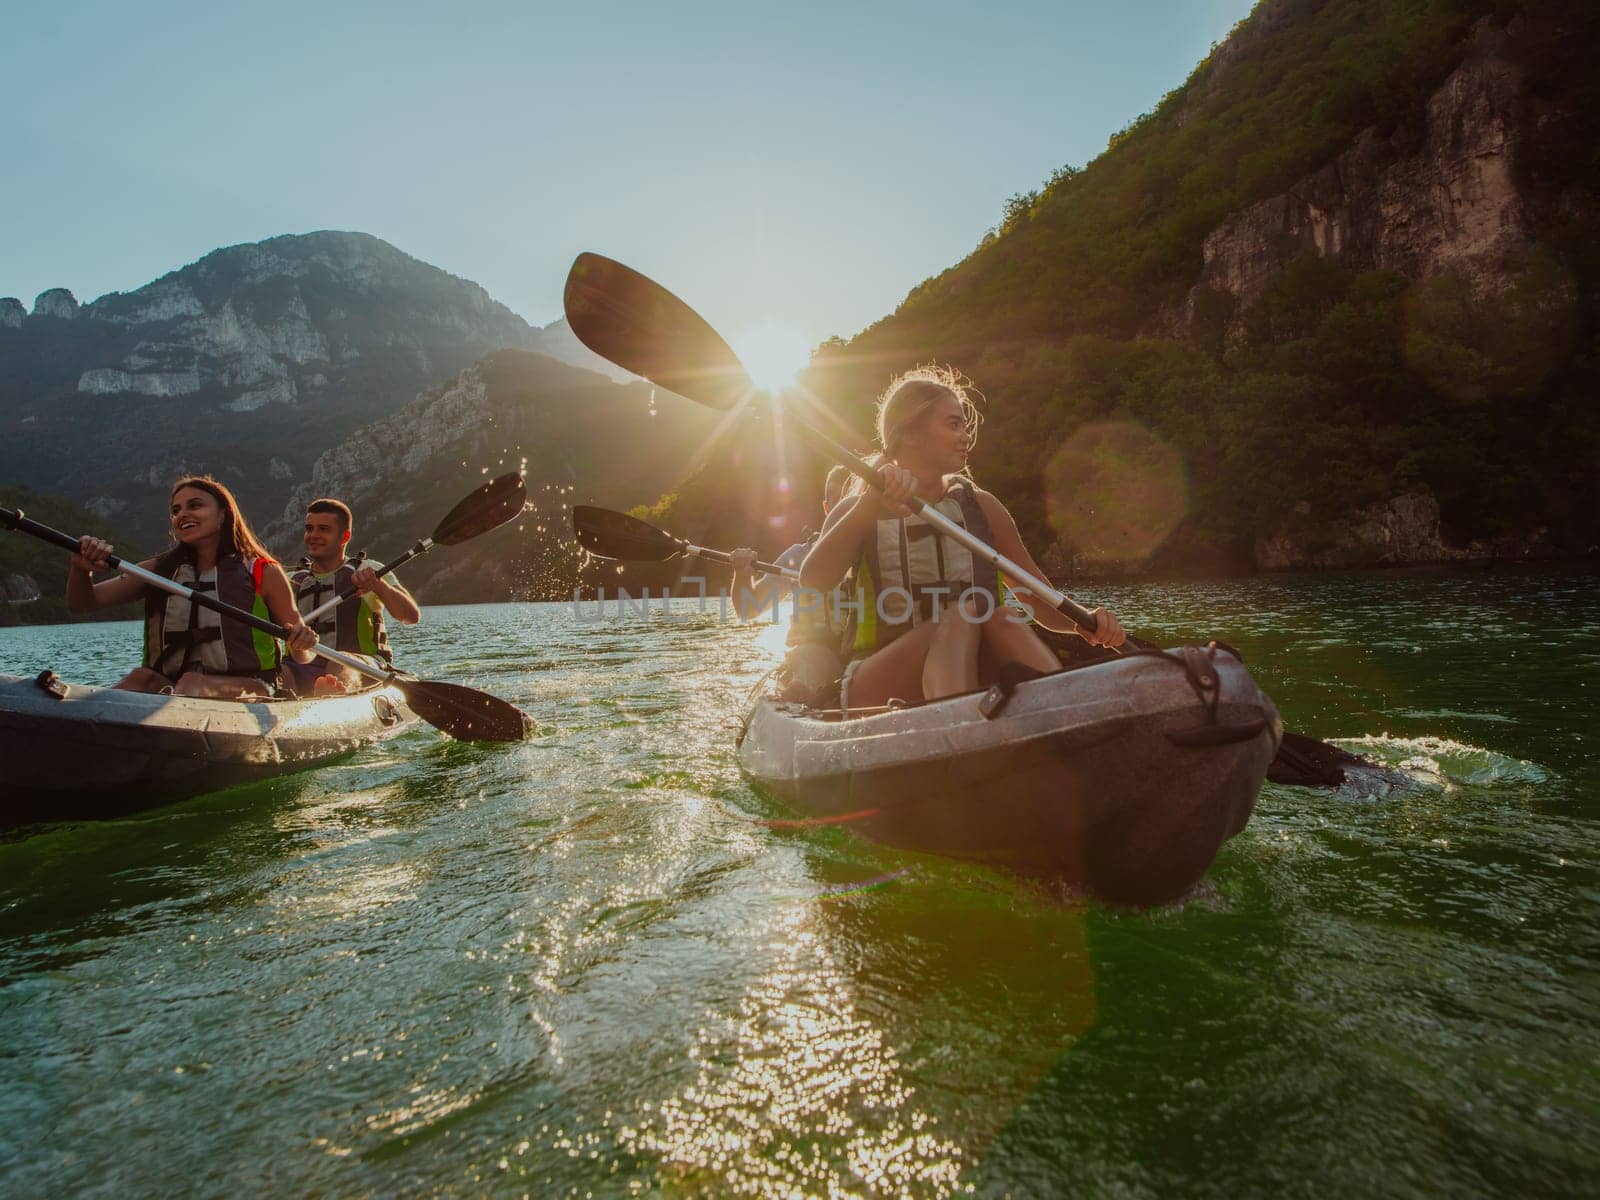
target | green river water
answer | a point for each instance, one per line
(584, 965)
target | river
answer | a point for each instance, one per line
(586, 965)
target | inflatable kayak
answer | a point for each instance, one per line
(76, 751)
(1120, 778)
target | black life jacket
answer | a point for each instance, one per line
(356, 626)
(179, 635)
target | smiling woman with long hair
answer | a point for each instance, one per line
(930, 620)
(190, 650)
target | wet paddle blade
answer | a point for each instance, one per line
(489, 507)
(639, 325)
(612, 534)
(1305, 762)
(466, 714)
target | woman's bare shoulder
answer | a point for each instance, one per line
(987, 499)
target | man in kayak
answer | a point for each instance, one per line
(355, 626)
(929, 619)
(813, 639)
(190, 650)
(752, 596)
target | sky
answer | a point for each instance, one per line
(800, 165)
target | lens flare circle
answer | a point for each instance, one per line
(1114, 491)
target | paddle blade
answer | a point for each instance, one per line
(466, 714)
(489, 507)
(1303, 761)
(639, 325)
(617, 535)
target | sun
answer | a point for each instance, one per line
(773, 354)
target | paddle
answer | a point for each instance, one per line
(488, 507)
(610, 534)
(462, 712)
(640, 326)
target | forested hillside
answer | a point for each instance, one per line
(1351, 263)
(33, 575)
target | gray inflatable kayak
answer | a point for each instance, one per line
(75, 751)
(1121, 779)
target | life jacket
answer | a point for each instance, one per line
(905, 565)
(180, 635)
(356, 626)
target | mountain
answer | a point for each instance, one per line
(248, 363)
(1332, 302)
(582, 438)
(558, 341)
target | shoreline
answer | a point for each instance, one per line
(1585, 562)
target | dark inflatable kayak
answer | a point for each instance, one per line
(73, 751)
(1121, 779)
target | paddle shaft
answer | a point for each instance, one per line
(13, 518)
(723, 556)
(1062, 603)
(327, 606)
(485, 508)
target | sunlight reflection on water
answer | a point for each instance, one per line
(796, 1094)
(599, 962)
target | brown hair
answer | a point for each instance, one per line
(337, 507)
(909, 396)
(905, 402)
(237, 537)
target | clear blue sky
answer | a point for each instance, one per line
(801, 163)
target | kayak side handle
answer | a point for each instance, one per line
(1217, 735)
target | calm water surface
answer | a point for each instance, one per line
(584, 966)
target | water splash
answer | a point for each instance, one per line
(1444, 764)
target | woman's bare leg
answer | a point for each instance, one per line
(1015, 641)
(895, 672)
(220, 687)
(952, 663)
(143, 679)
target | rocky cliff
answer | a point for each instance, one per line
(1447, 200)
(1404, 531)
(247, 363)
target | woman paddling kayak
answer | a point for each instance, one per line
(190, 650)
(929, 621)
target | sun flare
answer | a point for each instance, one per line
(773, 354)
